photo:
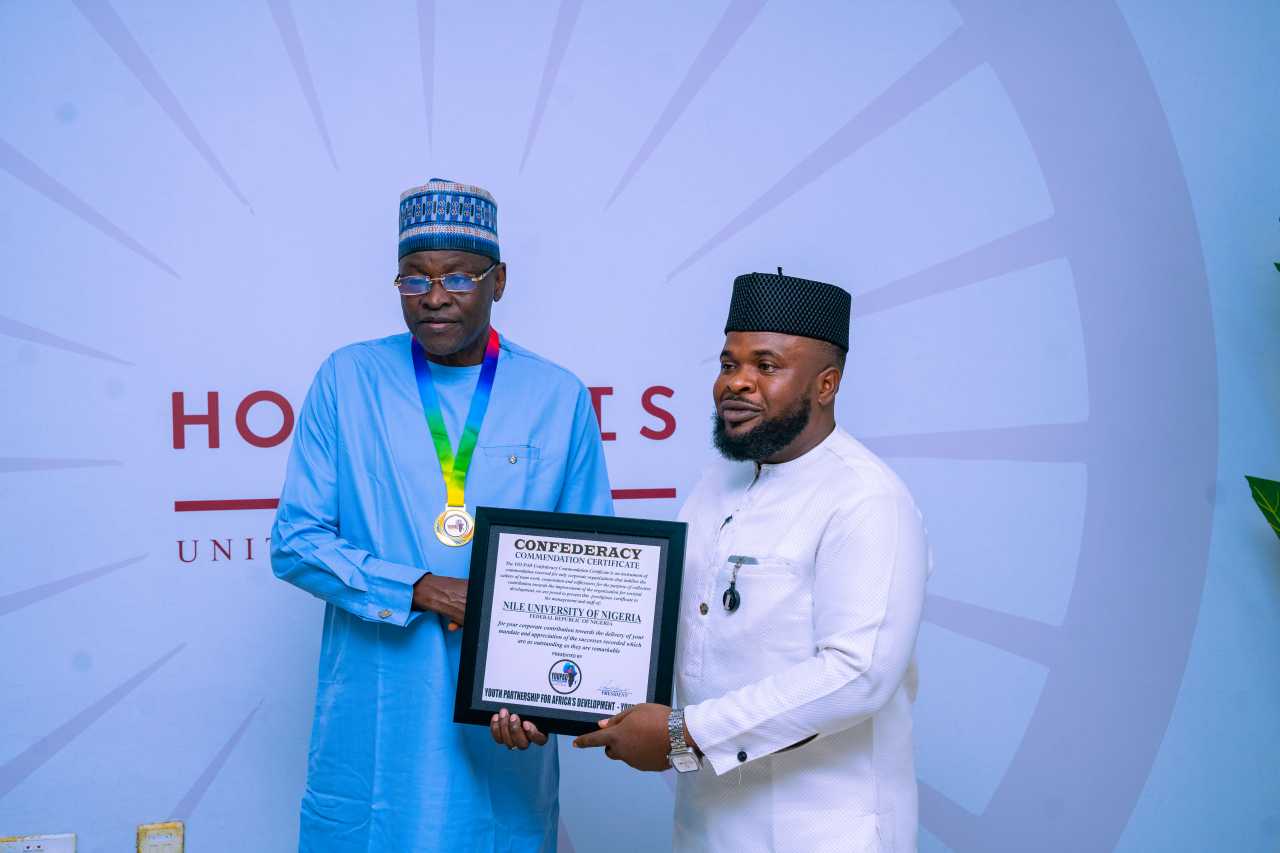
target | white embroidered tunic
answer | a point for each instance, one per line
(821, 644)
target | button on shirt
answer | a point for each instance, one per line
(820, 649)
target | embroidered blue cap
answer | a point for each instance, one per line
(447, 215)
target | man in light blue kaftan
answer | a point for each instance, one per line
(388, 769)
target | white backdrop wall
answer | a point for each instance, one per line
(200, 199)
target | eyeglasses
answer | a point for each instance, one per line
(454, 282)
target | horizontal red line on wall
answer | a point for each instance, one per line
(642, 494)
(272, 503)
(219, 506)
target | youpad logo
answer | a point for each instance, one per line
(564, 676)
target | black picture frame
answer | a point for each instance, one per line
(470, 706)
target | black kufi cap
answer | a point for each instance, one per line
(764, 302)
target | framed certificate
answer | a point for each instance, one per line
(570, 618)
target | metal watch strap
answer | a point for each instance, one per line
(675, 730)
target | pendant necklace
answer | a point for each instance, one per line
(455, 526)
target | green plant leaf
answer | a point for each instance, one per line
(1277, 263)
(1266, 493)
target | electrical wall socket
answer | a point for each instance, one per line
(164, 837)
(62, 843)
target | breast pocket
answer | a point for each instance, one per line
(774, 606)
(514, 470)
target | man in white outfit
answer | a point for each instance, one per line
(803, 586)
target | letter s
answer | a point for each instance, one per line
(668, 420)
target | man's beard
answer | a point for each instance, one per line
(764, 439)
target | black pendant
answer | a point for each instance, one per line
(731, 598)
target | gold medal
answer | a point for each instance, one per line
(455, 526)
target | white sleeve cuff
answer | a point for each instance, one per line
(724, 755)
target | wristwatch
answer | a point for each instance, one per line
(681, 756)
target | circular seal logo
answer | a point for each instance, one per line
(455, 526)
(564, 676)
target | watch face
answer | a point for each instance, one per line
(684, 762)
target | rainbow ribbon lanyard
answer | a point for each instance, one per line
(454, 468)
